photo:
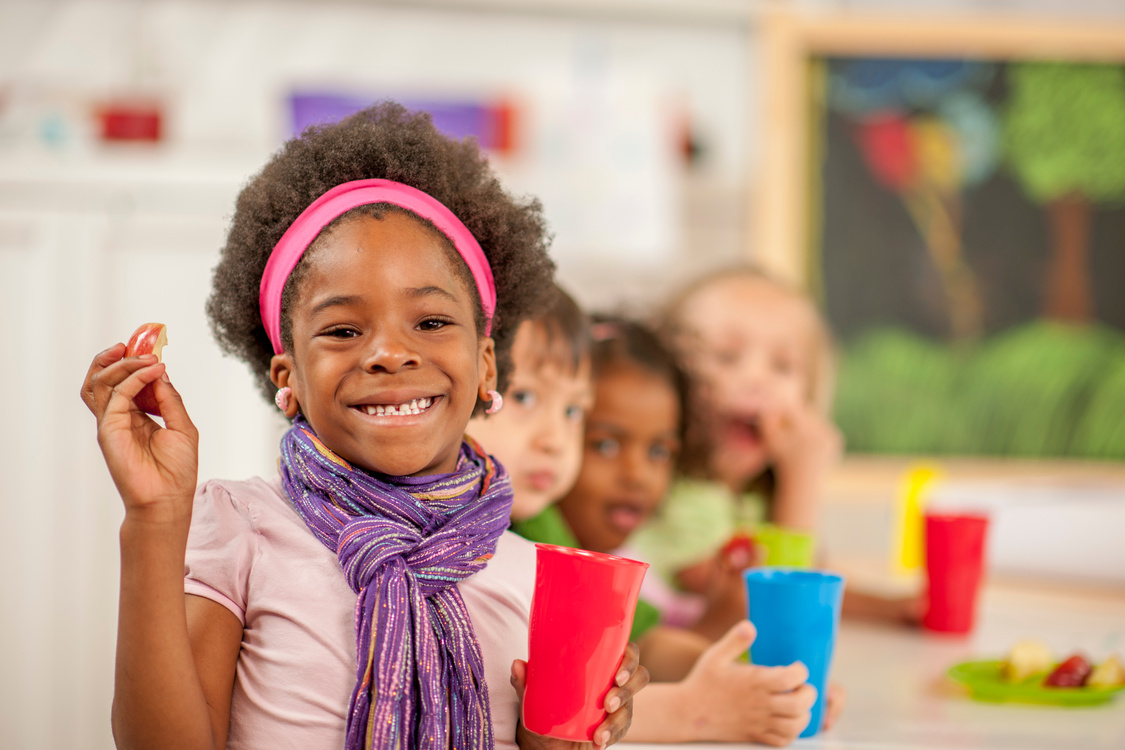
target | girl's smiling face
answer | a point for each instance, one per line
(386, 364)
(632, 439)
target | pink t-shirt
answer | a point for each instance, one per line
(249, 551)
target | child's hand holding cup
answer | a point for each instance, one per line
(580, 677)
(797, 615)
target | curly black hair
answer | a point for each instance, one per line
(384, 141)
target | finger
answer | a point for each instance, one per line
(619, 705)
(172, 409)
(630, 662)
(105, 368)
(837, 699)
(615, 726)
(121, 397)
(796, 703)
(619, 696)
(777, 738)
(784, 679)
(731, 646)
(790, 726)
(519, 677)
(105, 380)
(107, 357)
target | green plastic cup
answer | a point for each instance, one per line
(784, 547)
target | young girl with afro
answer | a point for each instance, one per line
(368, 595)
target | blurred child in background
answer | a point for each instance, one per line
(761, 360)
(539, 430)
(538, 434)
(632, 440)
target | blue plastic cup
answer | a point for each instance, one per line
(797, 614)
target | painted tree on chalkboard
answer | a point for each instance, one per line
(927, 136)
(1064, 133)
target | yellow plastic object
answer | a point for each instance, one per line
(908, 552)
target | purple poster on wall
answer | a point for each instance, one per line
(491, 123)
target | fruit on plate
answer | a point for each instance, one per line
(1026, 658)
(1110, 673)
(1070, 673)
(150, 338)
(739, 553)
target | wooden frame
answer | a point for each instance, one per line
(779, 210)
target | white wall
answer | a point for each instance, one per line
(94, 241)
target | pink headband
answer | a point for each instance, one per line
(338, 201)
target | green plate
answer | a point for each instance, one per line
(985, 683)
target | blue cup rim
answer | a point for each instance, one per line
(786, 576)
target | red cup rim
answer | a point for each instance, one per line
(597, 556)
(956, 515)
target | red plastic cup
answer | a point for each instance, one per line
(954, 566)
(581, 615)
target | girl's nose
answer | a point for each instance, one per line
(390, 352)
(634, 467)
(552, 432)
(751, 372)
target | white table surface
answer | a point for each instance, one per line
(898, 697)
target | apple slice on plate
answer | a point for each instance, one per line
(149, 338)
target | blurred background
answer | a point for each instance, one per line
(882, 169)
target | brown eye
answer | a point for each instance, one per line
(606, 447)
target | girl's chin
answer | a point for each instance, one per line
(737, 467)
(527, 504)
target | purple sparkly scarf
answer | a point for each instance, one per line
(403, 544)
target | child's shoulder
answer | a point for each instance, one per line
(255, 503)
(697, 497)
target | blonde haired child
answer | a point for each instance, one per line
(762, 358)
(368, 595)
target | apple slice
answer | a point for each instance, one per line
(739, 553)
(1110, 673)
(1071, 673)
(150, 338)
(1025, 659)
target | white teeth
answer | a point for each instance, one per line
(416, 406)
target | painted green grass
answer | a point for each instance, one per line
(1043, 389)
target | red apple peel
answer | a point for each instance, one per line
(149, 338)
(1070, 673)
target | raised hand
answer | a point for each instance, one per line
(742, 702)
(154, 467)
(798, 437)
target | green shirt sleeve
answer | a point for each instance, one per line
(549, 527)
(645, 617)
(696, 520)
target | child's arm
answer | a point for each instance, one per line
(669, 653)
(167, 673)
(725, 700)
(902, 610)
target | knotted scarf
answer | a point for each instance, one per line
(403, 544)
